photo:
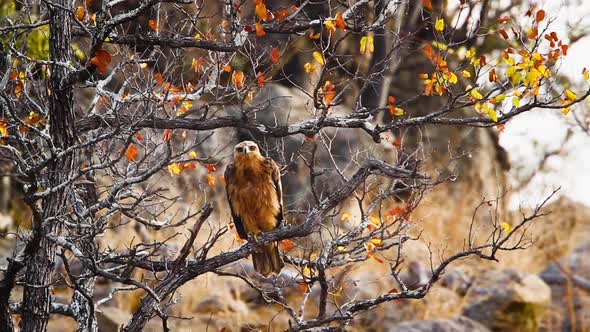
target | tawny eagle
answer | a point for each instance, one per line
(255, 197)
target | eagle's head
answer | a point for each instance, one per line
(246, 150)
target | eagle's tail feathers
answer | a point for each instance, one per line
(268, 260)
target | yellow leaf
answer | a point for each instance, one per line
(363, 44)
(570, 95)
(317, 55)
(376, 241)
(506, 227)
(516, 101)
(340, 248)
(370, 43)
(345, 216)
(398, 111)
(330, 26)
(500, 97)
(193, 154)
(374, 220)
(453, 78)
(3, 130)
(492, 114)
(174, 168)
(466, 73)
(476, 94)
(440, 24)
(308, 67)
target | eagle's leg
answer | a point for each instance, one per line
(253, 237)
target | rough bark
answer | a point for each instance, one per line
(37, 291)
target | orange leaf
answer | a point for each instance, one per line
(227, 68)
(503, 19)
(540, 15)
(101, 60)
(189, 165)
(138, 136)
(564, 49)
(275, 54)
(80, 13)
(372, 255)
(391, 99)
(153, 24)
(533, 33)
(131, 152)
(427, 4)
(329, 93)
(503, 33)
(210, 180)
(237, 77)
(492, 76)
(260, 79)
(159, 78)
(261, 11)
(167, 134)
(281, 14)
(340, 21)
(260, 30)
(286, 244)
(211, 168)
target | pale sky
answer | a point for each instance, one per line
(529, 135)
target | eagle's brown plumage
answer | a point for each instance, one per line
(255, 197)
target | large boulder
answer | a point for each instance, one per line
(507, 300)
(569, 279)
(460, 324)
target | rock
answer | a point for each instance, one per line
(507, 300)
(216, 304)
(457, 280)
(460, 324)
(570, 292)
(111, 318)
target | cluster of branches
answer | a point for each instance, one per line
(91, 138)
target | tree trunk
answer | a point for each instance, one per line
(37, 295)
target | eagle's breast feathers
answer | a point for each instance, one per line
(253, 194)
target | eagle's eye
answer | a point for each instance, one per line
(240, 149)
(252, 148)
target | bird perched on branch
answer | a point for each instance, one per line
(255, 197)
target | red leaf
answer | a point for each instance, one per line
(167, 134)
(101, 60)
(540, 15)
(286, 244)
